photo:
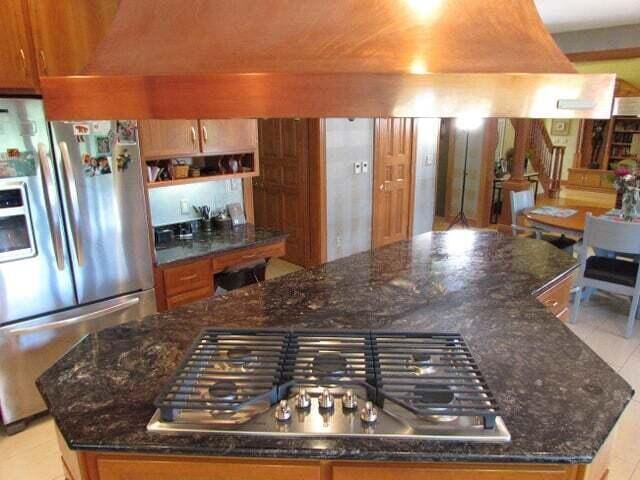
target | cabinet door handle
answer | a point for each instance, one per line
(205, 135)
(188, 277)
(23, 58)
(551, 303)
(43, 61)
(194, 138)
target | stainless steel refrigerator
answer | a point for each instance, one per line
(75, 255)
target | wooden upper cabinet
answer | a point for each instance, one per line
(17, 68)
(66, 33)
(169, 138)
(228, 136)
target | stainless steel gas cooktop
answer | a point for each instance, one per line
(327, 384)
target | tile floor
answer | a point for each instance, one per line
(33, 454)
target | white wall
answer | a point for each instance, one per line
(425, 182)
(349, 196)
(164, 202)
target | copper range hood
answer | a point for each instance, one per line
(327, 58)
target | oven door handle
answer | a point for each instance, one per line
(52, 205)
(127, 304)
(72, 199)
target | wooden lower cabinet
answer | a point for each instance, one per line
(102, 466)
(192, 280)
(587, 179)
(558, 296)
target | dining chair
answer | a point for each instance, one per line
(610, 273)
(520, 203)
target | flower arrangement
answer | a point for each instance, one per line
(627, 183)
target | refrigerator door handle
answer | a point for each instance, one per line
(72, 196)
(52, 206)
(125, 305)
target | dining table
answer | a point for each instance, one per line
(571, 226)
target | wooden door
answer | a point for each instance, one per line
(17, 69)
(66, 33)
(281, 196)
(228, 136)
(392, 180)
(168, 138)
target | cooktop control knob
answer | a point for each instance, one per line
(303, 400)
(369, 413)
(326, 399)
(283, 412)
(349, 400)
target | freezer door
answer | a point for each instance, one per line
(98, 164)
(35, 269)
(28, 348)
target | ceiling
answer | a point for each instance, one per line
(571, 15)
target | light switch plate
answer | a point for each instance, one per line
(365, 167)
(357, 168)
(184, 207)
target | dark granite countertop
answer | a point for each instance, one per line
(214, 243)
(559, 399)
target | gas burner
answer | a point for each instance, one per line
(328, 366)
(421, 363)
(242, 356)
(430, 397)
(224, 391)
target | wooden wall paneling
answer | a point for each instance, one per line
(18, 70)
(247, 197)
(485, 180)
(317, 192)
(392, 180)
(161, 295)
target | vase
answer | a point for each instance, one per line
(618, 200)
(629, 204)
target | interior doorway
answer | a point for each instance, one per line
(289, 195)
(393, 180)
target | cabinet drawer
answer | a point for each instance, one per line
(450, 472)
(190, 296)
(557, 298)
(182, 469)
(245, 255)
(192, 276)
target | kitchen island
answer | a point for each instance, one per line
(559, 400)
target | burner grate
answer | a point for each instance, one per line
(320, 358)
(432, 376)
(225, 371)
(232, 373)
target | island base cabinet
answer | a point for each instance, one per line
(99, 466)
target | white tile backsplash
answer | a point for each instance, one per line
(164, 202)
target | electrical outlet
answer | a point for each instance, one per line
(184, 207)
(235, 184)
(357, 168)
(428, 160)
(365, 167)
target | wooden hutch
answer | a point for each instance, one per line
(604, 143)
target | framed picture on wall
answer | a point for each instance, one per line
(560, 127)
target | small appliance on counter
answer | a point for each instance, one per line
(314, 383)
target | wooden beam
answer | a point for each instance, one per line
(600, 55)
